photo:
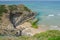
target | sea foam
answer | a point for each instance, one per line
(50, 15)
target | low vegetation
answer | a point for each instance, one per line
(34, 23)
(2, 10)
(12, 7)
(48, 35)
(23, 8)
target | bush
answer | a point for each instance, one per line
(2, 9)
(34, 24)
(12, 7)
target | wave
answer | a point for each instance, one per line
(50, 15)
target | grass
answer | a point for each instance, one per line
(55, 38)
(48, 35)
(34, 23)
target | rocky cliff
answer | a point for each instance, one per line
(13, 16)
(16, 15)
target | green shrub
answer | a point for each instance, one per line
(2, 9)
(25, 8)
(12, 7)
(34, 24)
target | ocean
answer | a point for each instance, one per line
(48, 11)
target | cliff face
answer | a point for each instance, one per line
(15, 16)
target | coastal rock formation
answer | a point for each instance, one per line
(15, 16)
(16, 21)
(29, 31)
(20, 15)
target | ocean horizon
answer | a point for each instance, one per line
(48, 11)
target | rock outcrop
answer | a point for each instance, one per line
(15, 16)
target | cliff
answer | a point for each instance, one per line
(12, 16)
(15, 15)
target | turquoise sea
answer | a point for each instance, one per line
(48, 11)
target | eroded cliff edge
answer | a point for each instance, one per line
(13, 16)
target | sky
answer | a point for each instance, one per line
(29, 0)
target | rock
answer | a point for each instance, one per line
(6, 24)
(21, 15)
(28, 30)
(16, 17)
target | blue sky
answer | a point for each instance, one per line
(29, 0)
